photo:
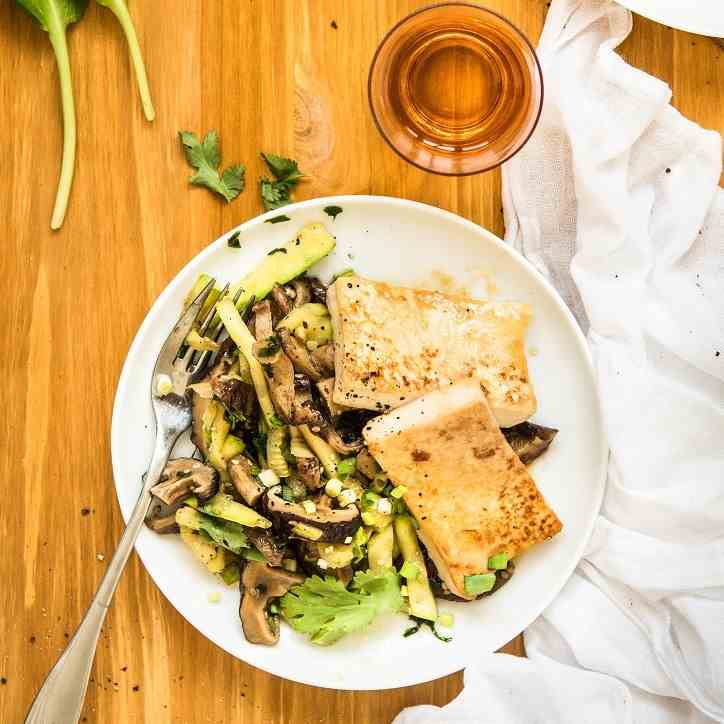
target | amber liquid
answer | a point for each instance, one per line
(455, 88)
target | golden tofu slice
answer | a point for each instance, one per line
(394, 344)
(468, 490)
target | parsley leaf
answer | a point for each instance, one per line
(205, 157)
(286, 176)
(326, 610)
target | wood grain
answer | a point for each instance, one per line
(269, 75)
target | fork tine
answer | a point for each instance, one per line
(246, 316)
(212, 312)
(201, 361)
(172, 345)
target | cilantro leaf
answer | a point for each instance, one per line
(286, 176)
(205, 157)
(326, 610)
(284, 169)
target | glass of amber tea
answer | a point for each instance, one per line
(455, 89)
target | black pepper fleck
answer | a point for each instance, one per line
(85, 511)
(136, 687)
(333, 24)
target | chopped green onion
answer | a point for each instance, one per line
(398, 492)
(192, 502)
(446, 620)
(369, 500)
(346, 467)
(333, 487)
(379, 482)
(287, 494)
(498, 562)
(214, 597)
(230, 575)
(409, 570)
(479, 583)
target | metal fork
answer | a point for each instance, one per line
(60, 699)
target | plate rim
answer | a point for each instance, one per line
(703, 26)
(564, 574)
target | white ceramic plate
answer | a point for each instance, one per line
(407, 243)
(705, 17)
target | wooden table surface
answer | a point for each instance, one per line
(273, 75)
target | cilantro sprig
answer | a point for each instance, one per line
(205, 157)
(326, 610)
(287, 175)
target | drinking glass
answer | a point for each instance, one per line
(455, 88)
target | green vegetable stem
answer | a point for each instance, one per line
(54, 16)
(120, 10)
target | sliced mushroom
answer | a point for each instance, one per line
(236, 396)
(310, 472)
(243, 480)
(282, 300)
(267, 545)
(281, 386)
(319, 291)
(263, 326)
(302, 292)
(183, 477)
(299, 355)
(344, 447)
(199, 406)
(326, 389)
(267, 350)
(366, 464)
(293, 520)
(324, 502)
(323, 357)
(529, 441)
(164, 524)
(277, 366)
(161, 518)
(305, 413)
(259, 584)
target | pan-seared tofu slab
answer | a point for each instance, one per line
(394, 344)
(468, 490)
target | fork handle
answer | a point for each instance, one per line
(60, 699)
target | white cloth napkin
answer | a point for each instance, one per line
(615, 199)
